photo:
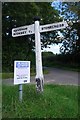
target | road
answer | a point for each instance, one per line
(55, 76)
(62, 77)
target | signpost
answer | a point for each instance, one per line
(37, 29)
(39, 71)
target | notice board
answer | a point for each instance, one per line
(21, 72)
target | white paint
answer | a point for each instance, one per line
(28, 30)
(54, 26)
(24, 30)
(21, 72)
(39, 72)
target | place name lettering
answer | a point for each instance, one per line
(53, 26)
(18, 33)
(22, 33)
(20, 29)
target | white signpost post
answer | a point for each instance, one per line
(39, 71)
(36, 29)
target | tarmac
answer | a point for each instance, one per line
(55, 76)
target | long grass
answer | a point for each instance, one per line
(57, 101)
(0, 101)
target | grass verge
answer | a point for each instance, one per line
(57, 101)
(0, 101)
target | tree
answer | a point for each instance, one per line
(70, 12)
(20, 14)
(71, 35)
(69, 41)
(75, 7)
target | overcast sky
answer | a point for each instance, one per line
(53, 48)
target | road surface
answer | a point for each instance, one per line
(62, 77)
(55, 76)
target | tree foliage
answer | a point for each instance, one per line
(21, 14)
(71, 13)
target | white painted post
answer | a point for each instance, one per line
(39, 71)
(20, 92)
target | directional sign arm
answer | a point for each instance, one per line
(28, 30)
(24, 30)
(54, 26)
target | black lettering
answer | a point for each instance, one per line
(25, 80)
(14, 33)
(49, 27)
(55, 26)
(18, 33)
(62, 24)
(20, 29)
(14, 30)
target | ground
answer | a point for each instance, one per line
(56, 76)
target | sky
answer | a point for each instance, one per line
(54, 48)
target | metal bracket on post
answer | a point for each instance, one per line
(20, 92)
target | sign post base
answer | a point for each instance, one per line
(39, 84)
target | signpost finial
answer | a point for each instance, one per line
(36, 18)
